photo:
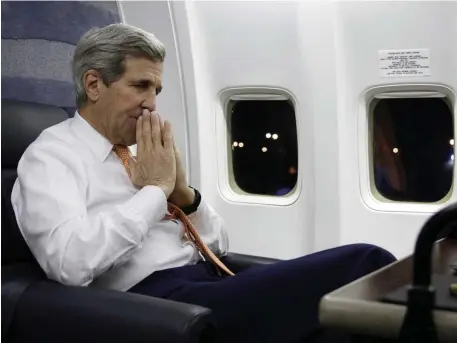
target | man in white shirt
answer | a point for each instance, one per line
(92, 216)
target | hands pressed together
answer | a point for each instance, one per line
(158, 161)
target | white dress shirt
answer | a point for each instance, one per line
(85, 222)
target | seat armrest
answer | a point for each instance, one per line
(239, 262)
(16, 278)
(50, 312)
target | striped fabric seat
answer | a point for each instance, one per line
(38, 41)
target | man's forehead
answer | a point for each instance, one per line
(145, 78)
(143, 66)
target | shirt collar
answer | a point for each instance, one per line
(99, 145)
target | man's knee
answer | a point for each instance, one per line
(372, 256)
(376, 250)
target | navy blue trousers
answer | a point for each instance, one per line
(269, 303)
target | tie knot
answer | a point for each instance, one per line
(120, 149)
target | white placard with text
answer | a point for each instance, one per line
(404, 63)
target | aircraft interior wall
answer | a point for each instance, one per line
(229, 61)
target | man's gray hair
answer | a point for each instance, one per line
(105, 50)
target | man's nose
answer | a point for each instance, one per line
(150, 103)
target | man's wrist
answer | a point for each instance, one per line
(194, 206)
(183, 197)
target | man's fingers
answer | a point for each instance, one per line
(161, 121)
(156, 132)
(161, 127)
(147, 142)
(167, 136)
(175, 148)
(139, 134)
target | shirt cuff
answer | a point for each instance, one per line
(149, 204)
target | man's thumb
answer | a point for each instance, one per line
(132, 162)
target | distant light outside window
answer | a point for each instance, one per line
(413, 148)
(264, 146)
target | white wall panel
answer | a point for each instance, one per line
(362, 30)
(326, 55)
(249, 44)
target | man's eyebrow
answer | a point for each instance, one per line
(155, 82)
(144, 81)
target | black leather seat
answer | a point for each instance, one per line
(35, 309)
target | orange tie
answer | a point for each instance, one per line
(124, 155)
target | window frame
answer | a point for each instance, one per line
(367, 102)
(226, 178)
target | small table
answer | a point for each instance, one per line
(356, 307)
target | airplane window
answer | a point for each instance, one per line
(413, 148)
(264, 146)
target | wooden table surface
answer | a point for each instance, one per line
(355, 307)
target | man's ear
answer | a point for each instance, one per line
(92, 82)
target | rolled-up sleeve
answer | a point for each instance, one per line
(70, 245)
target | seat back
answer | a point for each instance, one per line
(22, 122)
(38, 41)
